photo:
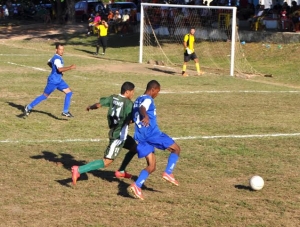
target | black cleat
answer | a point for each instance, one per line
(26, 111)
(68, 114)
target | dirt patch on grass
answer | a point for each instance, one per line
(39, 30)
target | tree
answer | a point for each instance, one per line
(64, 11)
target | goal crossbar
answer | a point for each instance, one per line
(233, 26)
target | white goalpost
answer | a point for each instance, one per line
(217, 45)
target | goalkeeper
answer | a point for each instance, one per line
(189, 52)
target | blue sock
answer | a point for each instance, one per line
(171, 163)
(67, 102)
(142, 178)
(37, 101)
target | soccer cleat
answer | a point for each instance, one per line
(103, 53)
(170, 178)
(95, 53)
(200, 73)
(26, 111)
(75, 174)
(68, 114)
(185, 74)
(135, 191)
(119, 174)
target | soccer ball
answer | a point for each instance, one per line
(256, 183)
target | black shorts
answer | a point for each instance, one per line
(187, 57)
(129, 142)
(115, 146)
(102, 41)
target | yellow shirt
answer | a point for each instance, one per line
(189, 39)
(102, 30)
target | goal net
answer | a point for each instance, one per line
(217, 43)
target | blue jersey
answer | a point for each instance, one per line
(143, 133)
(56, 76)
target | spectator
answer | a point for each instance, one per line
(120, 11)
(296, 21)
(133, 17)
(256, 17)
(284, 21)
(125, 22)
(294, 7)
(110, 16)
(116, 21)
(94, 23)
(6, 13)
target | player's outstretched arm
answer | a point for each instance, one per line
(93, 107)
(63, 69)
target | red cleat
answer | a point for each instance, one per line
(170, 178)
(75, 174)
(135, 191)
(119, 174)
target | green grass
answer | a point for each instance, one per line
(38, 152)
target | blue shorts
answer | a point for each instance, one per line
(162, 142)
(52, 87)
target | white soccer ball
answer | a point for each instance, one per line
(256, 183)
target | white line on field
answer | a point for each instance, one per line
(24, 55)
(175, 138)
(239, 136)
(52, 141)
(239, 91)
(173, 92)
(39, 69)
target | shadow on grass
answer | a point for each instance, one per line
(115, 41)
(163, 71)
(67, 161)
(243, 187)
(99, 56)
(21, 108)
(87, 51)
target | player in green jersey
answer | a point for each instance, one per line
(119, 116)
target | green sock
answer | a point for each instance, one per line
(126, 160)
(94, 165)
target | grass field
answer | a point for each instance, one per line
(229, 129)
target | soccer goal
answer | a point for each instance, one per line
(217, 44)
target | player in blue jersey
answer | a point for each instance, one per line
(54, 82)
(149, 137)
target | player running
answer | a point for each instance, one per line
(118, 116)
(54, 82)
(149, 137)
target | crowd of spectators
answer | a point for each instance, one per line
(26, 10)
(119, 21)
(287, 16)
